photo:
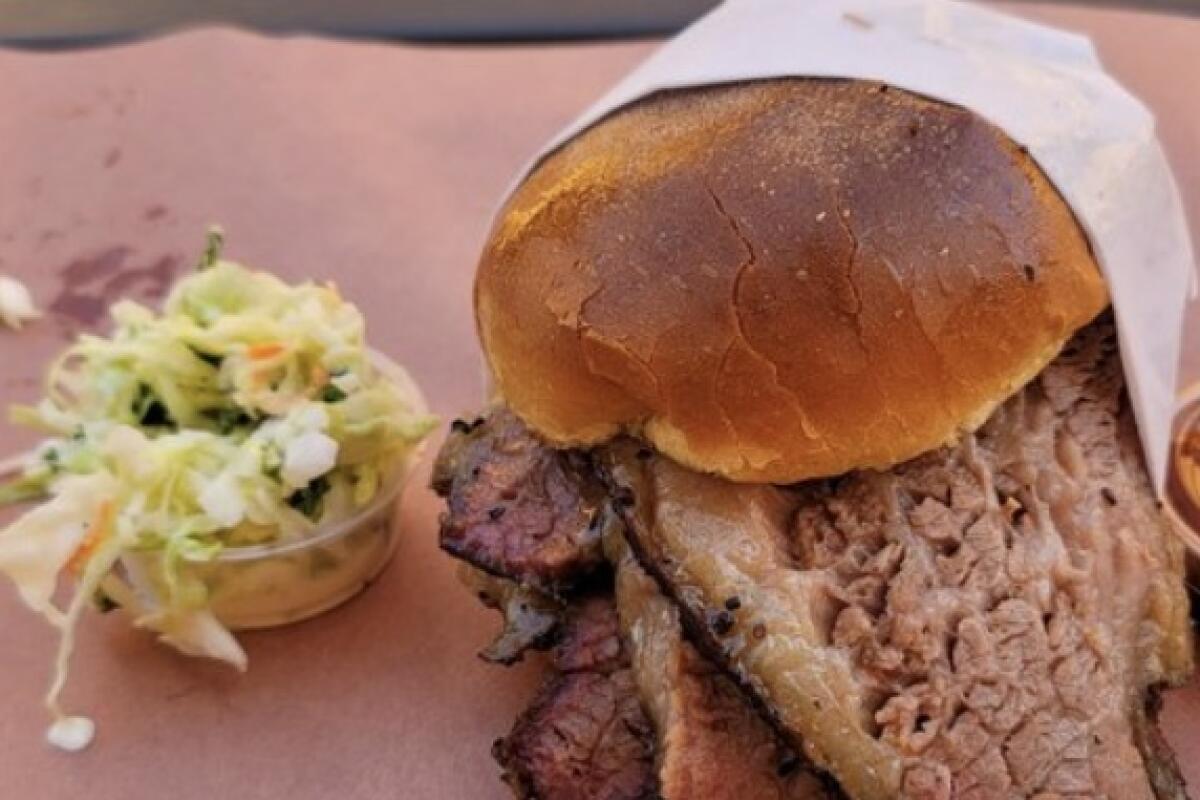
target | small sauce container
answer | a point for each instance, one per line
(1183, 470)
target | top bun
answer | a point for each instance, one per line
(780, 280)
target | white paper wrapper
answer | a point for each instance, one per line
(1045, 88)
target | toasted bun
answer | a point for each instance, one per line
(780, 280)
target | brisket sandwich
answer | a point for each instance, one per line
(810, 457)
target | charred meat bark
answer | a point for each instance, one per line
(528, 521)
(518, 509)
(986, 621)
(585, 737)
(711, 743)
(531, 619)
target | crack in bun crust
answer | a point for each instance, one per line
(780, 280)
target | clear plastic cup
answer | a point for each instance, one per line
(263, 586)
(277, 583)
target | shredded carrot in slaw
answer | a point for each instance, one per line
(100, 529)
(261, 352)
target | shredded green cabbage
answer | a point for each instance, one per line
(246, 411)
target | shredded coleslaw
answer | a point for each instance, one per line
(246, 411)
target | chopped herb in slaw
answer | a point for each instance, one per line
(247, 411)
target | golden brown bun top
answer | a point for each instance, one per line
(780, 280)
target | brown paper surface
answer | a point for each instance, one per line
(377, 166)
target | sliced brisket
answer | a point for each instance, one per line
(712, 745)
(529, 521)
(585, 736)
(988, 621)
(518, 509)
